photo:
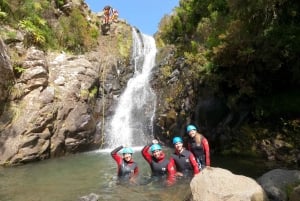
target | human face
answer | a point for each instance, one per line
(178, 146)
(156, 153)
(192, 133)
(127, 157)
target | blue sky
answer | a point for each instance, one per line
(143, 14)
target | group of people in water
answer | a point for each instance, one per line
(183, 163)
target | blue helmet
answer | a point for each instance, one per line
(177, 139)
(127, 150)
(155, 147)
(190, 127)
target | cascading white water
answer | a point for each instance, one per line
(132, 122)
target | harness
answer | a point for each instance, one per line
(126, 169)
(199, 153)
(159, 168)
(182, 162)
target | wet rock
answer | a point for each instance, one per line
(276, 181)
(90, 197)
(220, 184)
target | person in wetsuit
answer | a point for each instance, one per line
(160, 166)
(127, 168)
(184, 160)
(199, 146)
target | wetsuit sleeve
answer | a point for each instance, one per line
(171, 172)
(115, 156)
(205, 145)
(172, 163)
(194, 164)
(136, 171)
(146, 154)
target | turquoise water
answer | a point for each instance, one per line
(68, 178)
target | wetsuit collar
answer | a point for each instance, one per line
(180, 153)
(130, 161)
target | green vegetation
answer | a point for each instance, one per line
(93, 92)
(280, 103)
(124, 45)
(242, 49)
(166, 71)
(74, 32)
(18, 69)
(2, 14)
(89, 94)
(38, 19)
(34, 35)
(4, 9)
(60, 3)
(289, 188)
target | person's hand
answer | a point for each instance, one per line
(154, 141)
(179, 174)
(132, 180)
(169, 183)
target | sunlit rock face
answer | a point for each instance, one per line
(57, 102)
(220, 184)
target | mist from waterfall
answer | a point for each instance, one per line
(132, 123)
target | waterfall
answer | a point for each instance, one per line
(132, 123)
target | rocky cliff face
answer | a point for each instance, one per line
(55, 103)
(6, 76)
(182, 100)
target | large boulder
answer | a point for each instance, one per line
(277, 181)
(218, 184)
(295, 194)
